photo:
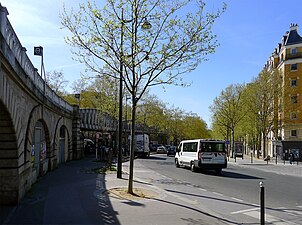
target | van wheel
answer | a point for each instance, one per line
(177, 163)
(192, 166)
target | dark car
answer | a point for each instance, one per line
(171, 150)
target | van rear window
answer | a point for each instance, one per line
(212, 147)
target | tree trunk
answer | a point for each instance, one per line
(132, 146)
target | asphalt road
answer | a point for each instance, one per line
(235, 194)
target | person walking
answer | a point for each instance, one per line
(291, 157)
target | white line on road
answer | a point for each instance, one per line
(269, 218)
(202, 189)
(217, 194)
(245, 210)
(237, 199)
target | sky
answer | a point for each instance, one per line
(248, 32)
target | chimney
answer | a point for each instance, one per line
(294, 27)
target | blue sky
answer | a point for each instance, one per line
(248, 32)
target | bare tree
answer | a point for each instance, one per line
(113, 40)
(57, 82)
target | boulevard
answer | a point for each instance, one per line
(234, 194)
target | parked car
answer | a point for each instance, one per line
(161, 149)
(171, 151)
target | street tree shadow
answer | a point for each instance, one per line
(235, 175)
(72, 194)
(154, 157)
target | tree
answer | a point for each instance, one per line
(56, 82)
(264, 102)
(111, 41)
(228, 110)
(195, 127)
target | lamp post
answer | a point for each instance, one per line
(120, 116)
(146, 25)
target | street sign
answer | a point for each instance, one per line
(38, 50)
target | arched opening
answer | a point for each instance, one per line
(9, 180)
(39, 158)
(63, 145)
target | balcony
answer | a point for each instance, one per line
(293, 56)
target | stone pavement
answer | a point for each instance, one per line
(76, 194)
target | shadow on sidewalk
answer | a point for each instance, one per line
(72, 194)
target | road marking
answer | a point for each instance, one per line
(299, 206)
(245, 210)
(217, 194)
(290, 211)
(269, 218)
(202, 189)
(237, 199)
(254, 212)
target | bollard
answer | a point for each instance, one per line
(251, 158)
(276, 159)
(262, 214)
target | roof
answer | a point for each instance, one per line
(293, 37)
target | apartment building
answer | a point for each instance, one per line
(287, 58)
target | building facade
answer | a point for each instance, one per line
(287, 59)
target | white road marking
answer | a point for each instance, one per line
(217, 194)
(254, 212)
(237, 199)
(202, 189)
(269, 218)
(245, 210)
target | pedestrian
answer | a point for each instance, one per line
(291, 157)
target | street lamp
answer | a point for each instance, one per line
(146, 25)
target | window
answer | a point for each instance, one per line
(293, 83)
(294, 51)
(212, 147)
(293, 133)
(294, 67)
(294, 99)
(190, 147)
(293, 115)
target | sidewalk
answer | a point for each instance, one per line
(76, 194)
(271, 166)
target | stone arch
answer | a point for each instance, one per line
(35, 122)
(9, 159)
(62, 150)
(41, 148)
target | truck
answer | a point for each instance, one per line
(141, 148)
(238, 149)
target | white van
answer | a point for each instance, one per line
(201, 153)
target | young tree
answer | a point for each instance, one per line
(266, 91)
(228, 109)
(113, 41)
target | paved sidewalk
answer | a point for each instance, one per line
(75, 194)
(286, 168)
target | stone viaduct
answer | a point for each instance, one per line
(38, 129)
